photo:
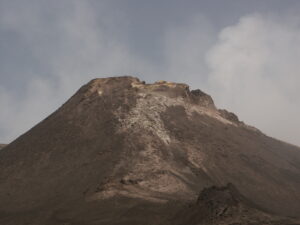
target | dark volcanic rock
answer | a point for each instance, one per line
(2, 146)
(124, 152)
(229, 115)
(202, 98)
(225, 205)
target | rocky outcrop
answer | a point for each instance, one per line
(202, 98)
(226, 206)
(229, 116)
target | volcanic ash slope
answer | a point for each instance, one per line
(124, 152)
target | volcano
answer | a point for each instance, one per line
(124, 152)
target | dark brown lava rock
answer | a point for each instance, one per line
(225, 205)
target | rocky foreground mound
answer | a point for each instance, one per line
(225, 205)
(124, 152)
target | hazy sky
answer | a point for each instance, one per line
(246, 54)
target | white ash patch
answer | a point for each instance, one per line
(100, 92)
(191, 108)
(130, 191)
(146, 116)
(165, 183)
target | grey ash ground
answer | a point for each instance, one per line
(121, 151)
